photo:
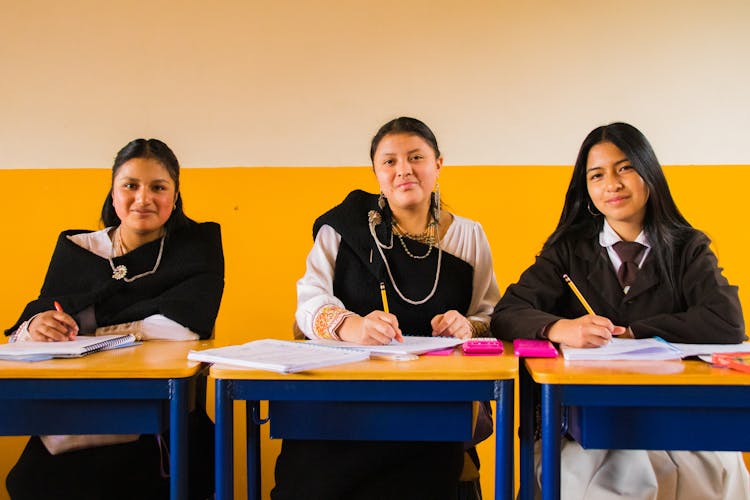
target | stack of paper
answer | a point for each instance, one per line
(279, 355)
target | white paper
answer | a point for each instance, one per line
(278, 355)
(410, 345)
(647, 349)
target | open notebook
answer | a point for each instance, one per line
(80, 346)
(647, 349)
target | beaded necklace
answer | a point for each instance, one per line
(120, 272)
(374, 219)
(427, 237)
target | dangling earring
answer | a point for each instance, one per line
(381, 201)
(588, 207)
(436, 203)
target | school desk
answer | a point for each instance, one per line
(658, 405)
(132, 390)
(425, 399)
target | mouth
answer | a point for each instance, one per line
(616, 200)
(406, 185)
(142, 213)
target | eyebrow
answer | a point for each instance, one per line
(618, 162)
(130, 179)
(412, 151)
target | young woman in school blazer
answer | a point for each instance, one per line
(672, 287)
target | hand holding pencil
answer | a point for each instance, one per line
(589, 330)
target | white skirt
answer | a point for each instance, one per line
(647, 474)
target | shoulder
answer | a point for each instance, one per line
(203, 230)
(692, 243)
(202, 238)
(352, 211)
(466, 228)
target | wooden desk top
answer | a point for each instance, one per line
(151, 359)
(453, 367)
(692, 372)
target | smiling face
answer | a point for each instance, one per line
(616, 189)
(407, 170)
(143, 194)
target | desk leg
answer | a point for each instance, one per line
(178, 452)
(253, 450)
(504, 440)
(551, 441)
(526, 428)
(224, 441)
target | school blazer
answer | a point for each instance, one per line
(702, 308)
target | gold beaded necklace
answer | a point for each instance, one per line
(427, 237)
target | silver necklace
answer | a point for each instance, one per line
(373, 220)
(120, 272)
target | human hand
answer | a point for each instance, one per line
(451, 324)
(377, 328)
(587, 331)
(52, 326)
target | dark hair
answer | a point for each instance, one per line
(405, 125)
(663, 222)
(153, 149)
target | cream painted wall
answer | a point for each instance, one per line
(287, 82)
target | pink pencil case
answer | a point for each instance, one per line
(482, 347)
(529, 348)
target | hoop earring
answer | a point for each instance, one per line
(436, 203)
(588, 207)
(381, 201)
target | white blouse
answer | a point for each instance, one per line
(464, 239)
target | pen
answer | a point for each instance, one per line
(578, 294)
(384, 297)
(58, 307)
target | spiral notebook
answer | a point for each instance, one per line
(80, 346)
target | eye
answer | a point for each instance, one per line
(130, 185)
(626, 168)
(595, 176)
(417, 157)
(388, 162)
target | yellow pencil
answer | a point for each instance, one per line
(578, 294)
(384, 296)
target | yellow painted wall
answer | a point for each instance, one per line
(266, 216)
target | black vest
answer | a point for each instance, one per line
(360, 269)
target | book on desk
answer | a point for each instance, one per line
(82, 345)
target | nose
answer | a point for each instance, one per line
(614, 183)
(142, 195)
(403, 168)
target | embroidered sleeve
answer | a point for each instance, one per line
(327, 320)
(22, 332)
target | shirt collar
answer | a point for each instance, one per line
(608, 236)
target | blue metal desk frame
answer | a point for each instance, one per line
(676, 417)
(112, 406)
(393, 391)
